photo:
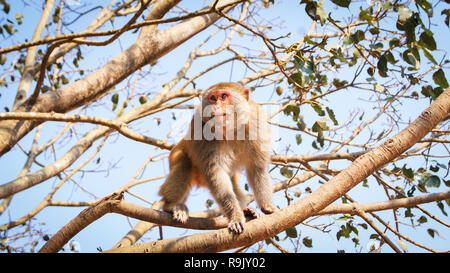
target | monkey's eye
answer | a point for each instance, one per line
(224, 96)
(213, 98)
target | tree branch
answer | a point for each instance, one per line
(270, 225)
(147, 49)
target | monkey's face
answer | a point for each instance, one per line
(223, 112)
(223, 106)
(219, 104)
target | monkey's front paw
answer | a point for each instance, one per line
(269, 209)
(180, 213)
(236, 226)
(250, 213)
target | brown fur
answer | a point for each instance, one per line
(215, 164)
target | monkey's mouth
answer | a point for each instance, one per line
(219, 115)
(220, 118)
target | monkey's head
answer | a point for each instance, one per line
(225, 106)
(224, 101)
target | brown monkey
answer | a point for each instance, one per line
(228, 132)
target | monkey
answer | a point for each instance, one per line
(228, 132)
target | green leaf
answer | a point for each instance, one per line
(342, 3)
(291, 232)
(441, 206)
(2, 59)
(320, 125)
(19, 17)
(64, 80)
(427, 40)
(366, 15)
(382, 66)
(429, 55)
(426, 6)
(394, 42)
(376, 46)
(386, 5)
(439, 78)
(314, 145)
(431, 232)
(345, 217)
(8, 28)
(286, 172)
(434, 168)
(431, 92)
(390, 57)
(332, 116)
(301, 124)
(446, 12)
(142, 99)
(115, 100)
(45, 88)
(315, 11)
(55, 16)
(318, 108)
(363, 225)
(411, 58)
(407, 22)
(408, 172)
(422, 219)
(298, 139)
(358, 36)
(307, 66)
(298, 78)
(209, 203)
(374, 31)
(347, 41)
(279, 90)
(307, 242)
(446, 182)
(408, 213)
(433, 182)
(6, 6)
(294, 109)
(339, 84)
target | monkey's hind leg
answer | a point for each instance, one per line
(259, 180)
(241, 197)
(221, 187)
(175, 189)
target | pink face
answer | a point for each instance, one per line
(219, 98)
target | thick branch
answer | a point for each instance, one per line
(161, 218)
(27, 78)
(270, 225)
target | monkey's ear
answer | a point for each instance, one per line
(246, 93)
